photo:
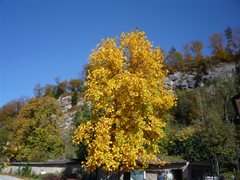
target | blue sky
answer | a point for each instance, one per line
(44, 39)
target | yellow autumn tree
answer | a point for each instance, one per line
(125, 84)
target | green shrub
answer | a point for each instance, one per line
(228, 175)
(26, 171)
(74, 98)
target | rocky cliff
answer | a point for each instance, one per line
(191, 80)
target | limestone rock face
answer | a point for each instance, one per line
(66, 103)
(68, 114)
(191, 80)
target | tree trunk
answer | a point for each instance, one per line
(225, 110)
(201, 109)
(217, 167)
(119, 175)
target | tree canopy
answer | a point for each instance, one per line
(125, 85)
(203, 126)
(36, 134)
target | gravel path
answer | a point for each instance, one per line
(3, 177)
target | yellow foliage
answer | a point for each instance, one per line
(125, 84)
(185, 133)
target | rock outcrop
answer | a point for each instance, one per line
(191, 80)
(68, 115)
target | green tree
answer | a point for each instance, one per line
(174, 60)
(49, 90)
(186, 110)
(36, 130)
(76, 85)
(83, 115)
(209, 113)
(218, 138)
(185, 142)
(60, 88)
